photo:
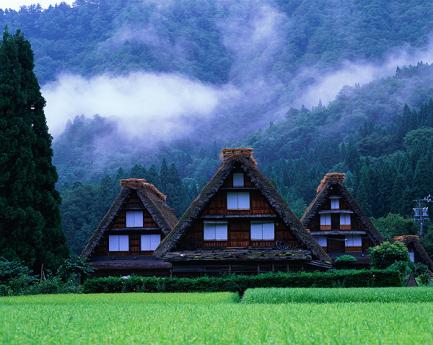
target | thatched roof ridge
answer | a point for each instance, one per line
(248, 165)
(152, 201)
(419, 248)
(325, 187)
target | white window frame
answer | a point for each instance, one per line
(238, 180)
(149, 242)
(325, 219)
(234, 201)
(262, 231)
(118, 243)
(335, 203)
(215, 231)
(345, 219)
(134, 218)
(353, 241)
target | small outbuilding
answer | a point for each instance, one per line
(417, 252)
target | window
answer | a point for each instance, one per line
(262, 231)
(118, 243)
(344, 219)
(322, 241)
(238, 200)
(325, 219)
(215, 231)
(353, 241)
(335, 204)
(238, 180)
(150, 242)
(134, 219)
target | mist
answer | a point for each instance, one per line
(173, 105)
(160, 105)
(327, 86)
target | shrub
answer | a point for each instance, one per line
(345, 261)
(387, 253)
(239, 283)
(423, 280)
(74, 268)
(14, 277)
(405, 268)
(420, 268)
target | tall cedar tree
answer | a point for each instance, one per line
(30, 224)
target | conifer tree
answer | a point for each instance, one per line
(30, 224)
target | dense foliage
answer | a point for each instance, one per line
(187, 36)
(18, 279)
(388, 253)
(30, 228)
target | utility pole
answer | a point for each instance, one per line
(420, 212)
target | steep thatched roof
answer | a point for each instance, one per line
(418, 247)
(331, 183)
(242, 159)
(153, 201)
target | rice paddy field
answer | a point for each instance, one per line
(222, 318)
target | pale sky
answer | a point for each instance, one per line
(16, 4)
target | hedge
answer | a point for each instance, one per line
(239, 283)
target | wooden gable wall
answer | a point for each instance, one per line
(356, 225)
(238, 221)
(118, 227)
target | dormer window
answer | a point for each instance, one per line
(335, 204)
(238, 180)
(134, 219)
(238, 200)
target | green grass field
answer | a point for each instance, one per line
(383, 295)
(217, 318)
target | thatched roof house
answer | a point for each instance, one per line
(239, 223)
(337, 221)
(417, 252)
(124, 241)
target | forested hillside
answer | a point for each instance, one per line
(312, 85)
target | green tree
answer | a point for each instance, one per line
(394, 225)
(388, 253)
(46, 198)
(29, 204)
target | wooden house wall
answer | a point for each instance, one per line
(118, 227)
(356, 224)
(238, 229)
